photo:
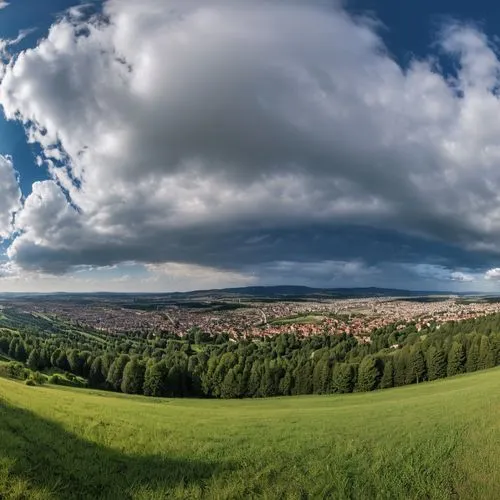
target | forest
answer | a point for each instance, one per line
(160, 364)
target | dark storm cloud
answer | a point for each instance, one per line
(238, 135)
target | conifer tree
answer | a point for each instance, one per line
(245, 376)
(267, 387)
(287, 382)
(387, 379)
(368, 374)
(322, 375)
(343, 378)
(456, 359)
(417, 366)
(208, 375)
(230, 385)
(486, 355)
(303, 378)
(226, 361)
(400, 362)
(254, 380)
(472, 363)
(195, 371)
(437, 363)
(495, 347)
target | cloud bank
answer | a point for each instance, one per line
(232, 134)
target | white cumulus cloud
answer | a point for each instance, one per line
(177, 131)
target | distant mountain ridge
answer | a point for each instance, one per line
(275, 292)
(301, 291)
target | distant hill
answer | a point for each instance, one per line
(283, 292)
(292, 291)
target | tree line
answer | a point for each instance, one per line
(196, 365)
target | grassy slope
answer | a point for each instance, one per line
(436, 440)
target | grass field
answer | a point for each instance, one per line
(436, 440)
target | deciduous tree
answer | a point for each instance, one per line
(133, 377)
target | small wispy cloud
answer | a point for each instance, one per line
(22, 35)
(6, 43)
(78, 12)
(3, 4)
(459, 276)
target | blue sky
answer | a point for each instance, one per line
(410, 27)
(37, 17)
(179, 145)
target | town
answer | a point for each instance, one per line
(241, 319)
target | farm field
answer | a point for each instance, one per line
(435, 440)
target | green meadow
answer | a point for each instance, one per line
(435, 440)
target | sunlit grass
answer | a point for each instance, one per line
(434, 440)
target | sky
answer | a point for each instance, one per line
(171, 145)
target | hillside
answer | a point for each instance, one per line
(433, 440)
